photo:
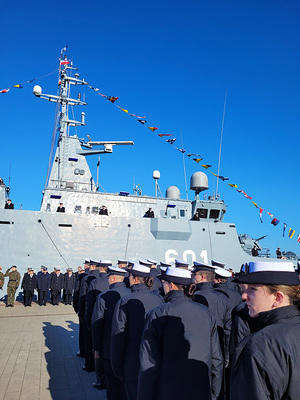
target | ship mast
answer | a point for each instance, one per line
(69, 169)
(64, 101)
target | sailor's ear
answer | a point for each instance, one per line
(279, 299)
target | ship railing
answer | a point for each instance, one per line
(71, 185)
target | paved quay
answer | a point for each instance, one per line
(38, 349)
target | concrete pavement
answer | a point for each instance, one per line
(38, 347)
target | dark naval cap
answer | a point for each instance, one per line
(269, 273)
(163, 266)
(104, 263)
(139, 270)
(181, 264)
(116, 271)
(217, 264)
(178, 276)
(203, 267)
(121, 261)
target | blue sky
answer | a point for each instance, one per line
(171, 61)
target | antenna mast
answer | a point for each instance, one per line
(184, 170)
(221, 141)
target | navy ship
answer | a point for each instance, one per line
(110, 225)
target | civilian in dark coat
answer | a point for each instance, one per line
(267, 363)
(180, 355)
(29, 284)
(69, 285)
(101, 330)
(127, 327)
(57, 284)
(44, 280)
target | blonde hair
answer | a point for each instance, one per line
(292, 292)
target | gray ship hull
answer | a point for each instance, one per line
(35, 238)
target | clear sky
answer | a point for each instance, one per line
(171, 61)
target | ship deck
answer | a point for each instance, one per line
(38, 347)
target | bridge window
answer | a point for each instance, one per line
(182, 213)
(202, 212)
(214, 214)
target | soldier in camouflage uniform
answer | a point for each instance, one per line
(1, 279)
(12, 285)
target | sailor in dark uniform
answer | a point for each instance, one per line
(81, 274)
(242, 324)
(231, 285)
(217, 302)
(57, 284)
(157, 286)
(61, 208)
(44, 281)
(180, 355)
(9, 205)
(96, 286)
(101, 330)
(220, 285)
(79, 279)
(84, 286)
(267, 363)
(127, 327)
(29, 285)
(69, 285)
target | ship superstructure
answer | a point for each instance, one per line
(33, 238)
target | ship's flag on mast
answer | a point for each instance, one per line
(298, 238)
(245, 194)
(260, 214)
(112, 99)
(152, 128)
(291, 232)
(223, 178)
(275, 221)
(123, 109)
(284, 227)
(164, 134)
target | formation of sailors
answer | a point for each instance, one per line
(157, 332)
(56, 282)
(160, 331)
